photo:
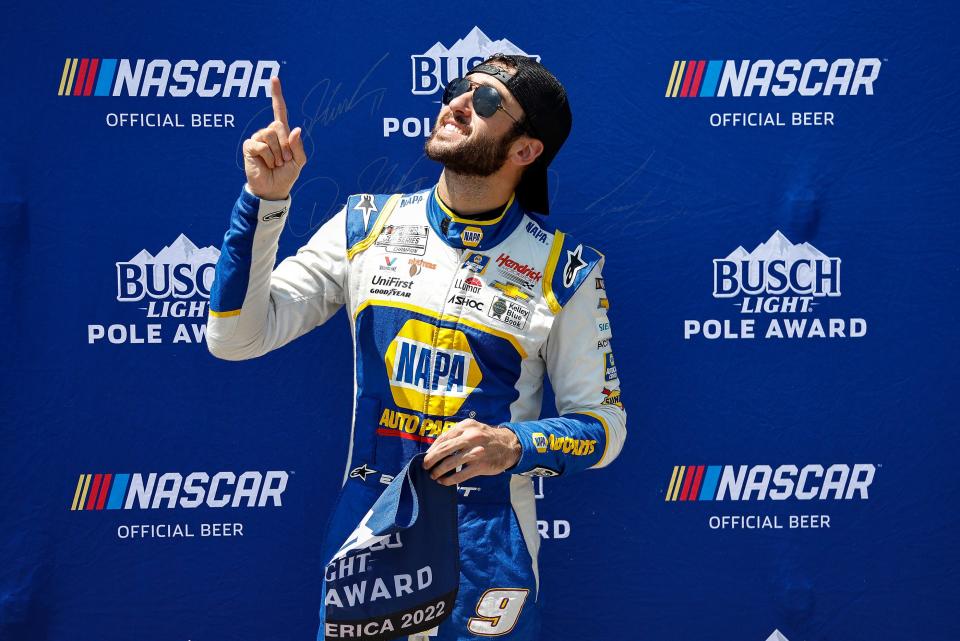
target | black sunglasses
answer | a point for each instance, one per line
(486, 99)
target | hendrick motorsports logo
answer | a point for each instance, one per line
(762, 78)
(748, 484)
(173, 490)
(173, 284)
(776, 278)
(438, 65)
(161, 78)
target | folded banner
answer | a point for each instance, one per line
(397, 573)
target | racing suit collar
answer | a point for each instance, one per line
(465, 233)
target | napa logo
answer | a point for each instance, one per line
(471, 236)
(540, 442)
(431, 369)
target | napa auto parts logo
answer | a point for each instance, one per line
(755, 485)
(170, 287)
(123, 492)
(817, 77)
(780, 284)
(437, 66)
(162, 78)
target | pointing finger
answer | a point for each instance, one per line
(279, 106)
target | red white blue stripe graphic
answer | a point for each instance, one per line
(693, 483)
(694, 78)
(87, 76)
(100, 491)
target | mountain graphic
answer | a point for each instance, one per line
(778, 247)
(476, 44)
(776, 635)
(181, 250)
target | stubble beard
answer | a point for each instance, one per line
(477, 157)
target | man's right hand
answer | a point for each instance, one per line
(274, 156)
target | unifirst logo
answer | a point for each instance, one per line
(159, 77)
(431, 369)
(838, 482)
(172, 490)
(748, 78)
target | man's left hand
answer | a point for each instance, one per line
(481, 449)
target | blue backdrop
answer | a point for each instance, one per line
(788, 467)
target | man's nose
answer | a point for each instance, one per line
(462, 104)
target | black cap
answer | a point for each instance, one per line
(547, 115)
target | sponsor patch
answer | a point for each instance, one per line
(574, 264)
(609, 367)
(509, 312)
(404, 239)
(540, 442)
(611, 397)
(476, 262)
(599, 283)
(463, 301)
(510, 290)
(471, 236)
(541, 471)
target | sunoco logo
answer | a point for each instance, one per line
(431, 369)
(159, 77)
(838, 482)
(173, 284)
(779, 278)
(171, 490)
(438, 65)
(747, 78)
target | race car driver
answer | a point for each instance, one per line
(460, 298)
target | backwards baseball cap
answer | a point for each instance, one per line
(546, 114)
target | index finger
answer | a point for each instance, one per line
(279, 106)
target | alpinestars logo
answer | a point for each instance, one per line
(173, 284)
(780, 278)
(438, 65)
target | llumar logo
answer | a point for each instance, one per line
(838, 482)
(748, 78)
(178, 79)
(431, 369)
(169, 490)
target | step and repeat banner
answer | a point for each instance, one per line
(775, 190)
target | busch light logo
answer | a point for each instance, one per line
(179, 270)
(774, 269)
(777, 277)
(433, 69)
(173, 284)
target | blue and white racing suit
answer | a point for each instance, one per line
(451, 319)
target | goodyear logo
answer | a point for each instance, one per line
(838, 482)
(471, 236)
(540, 442)
(431, 369)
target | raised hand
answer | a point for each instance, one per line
(274, 156)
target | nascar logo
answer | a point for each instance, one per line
(126, 77)
(760, 482)
(431, 369)
(154, 491)
(746, 78)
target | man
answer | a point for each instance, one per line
(460, 298)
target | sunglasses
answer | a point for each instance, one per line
(486, 99)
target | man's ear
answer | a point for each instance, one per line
(526, 150)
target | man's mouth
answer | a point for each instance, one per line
(453, 126)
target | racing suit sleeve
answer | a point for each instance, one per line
(255, 308)
(591, 427)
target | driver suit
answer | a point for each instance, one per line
(451, 318)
